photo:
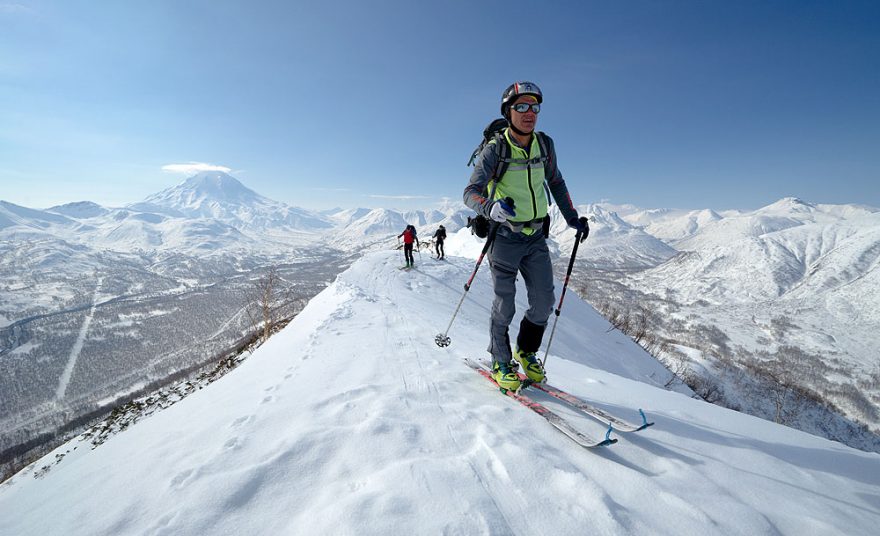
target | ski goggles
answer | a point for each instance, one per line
(524, 107)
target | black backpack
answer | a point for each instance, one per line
(479, 224)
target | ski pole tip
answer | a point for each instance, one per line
(442, 340)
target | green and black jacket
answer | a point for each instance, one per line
(523, 180)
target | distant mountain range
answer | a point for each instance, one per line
(790, 247)
(811, 268)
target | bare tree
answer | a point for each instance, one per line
(705, 387)
(783, 375)
(678, 369)
(267, 300)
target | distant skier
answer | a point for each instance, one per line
(439, 237)
(519, 209)
(409, 236)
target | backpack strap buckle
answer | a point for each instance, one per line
(517, 227)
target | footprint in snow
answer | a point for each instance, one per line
(181, 479)
(241, 421)
(233, 443)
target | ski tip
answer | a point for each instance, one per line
(645, 422)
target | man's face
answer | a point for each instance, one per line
(524, 121)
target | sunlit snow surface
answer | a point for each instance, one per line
(351, 421)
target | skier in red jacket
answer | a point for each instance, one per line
(409, 236)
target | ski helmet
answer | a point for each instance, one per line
(516, 90)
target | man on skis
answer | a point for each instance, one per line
(409, 236)
(439, 237)
(518, 206)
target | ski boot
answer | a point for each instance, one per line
(532, 367)
(505, 376)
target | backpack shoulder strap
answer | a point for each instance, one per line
(503, 152)
(543, 144)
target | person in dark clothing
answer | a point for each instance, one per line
(439, 237)
(409, 236)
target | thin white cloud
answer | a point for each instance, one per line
(331, 189)
(10, 8)
(193, 167)
(400, 197)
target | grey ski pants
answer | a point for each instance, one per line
(511, 253)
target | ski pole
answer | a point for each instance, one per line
(574, 250)
(442, 339)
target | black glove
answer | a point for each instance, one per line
(581, 226)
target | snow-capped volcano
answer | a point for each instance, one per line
(219, 196)
(197, 195)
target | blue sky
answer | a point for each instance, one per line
(318, 104)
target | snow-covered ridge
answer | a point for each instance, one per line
(352, 420)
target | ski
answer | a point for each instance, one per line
(554, 419)
(600, 415)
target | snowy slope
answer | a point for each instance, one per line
(817, 264)
(79, 210)
(672, 224)
(12, 216)
(613, 243)
(784, 214)
(363, 229)
(351, 421)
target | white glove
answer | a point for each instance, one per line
(501, 211)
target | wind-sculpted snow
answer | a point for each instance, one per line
(352, 421)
